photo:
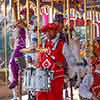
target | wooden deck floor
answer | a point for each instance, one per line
(4, 91)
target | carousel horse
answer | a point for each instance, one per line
(81, 68)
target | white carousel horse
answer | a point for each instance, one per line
(81, 67)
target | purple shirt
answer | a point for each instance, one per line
(21, 42)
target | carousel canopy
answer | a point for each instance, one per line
(58, 4)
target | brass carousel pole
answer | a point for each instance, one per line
(27, 4)
(64, 8)
(15, 9)
(20, 73)
(52, 10)
(86, 32)
(74, 13)
(5, 37)
(91, 35)
(89, 18)
(18, 9)
(94, 19)
(68, 13)
(69, 35)
(28, 40)
(28, 35)
(85, 11)
(64, 13)
(38, 21)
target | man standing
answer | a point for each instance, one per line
(54, 59)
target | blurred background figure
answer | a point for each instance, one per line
(90, 86)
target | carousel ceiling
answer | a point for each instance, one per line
(58, 4)
(77, 4)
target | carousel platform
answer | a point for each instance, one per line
(75, 96)
(5, 94)
(25, 97)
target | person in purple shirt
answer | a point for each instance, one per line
(16, 54)
(17, 60)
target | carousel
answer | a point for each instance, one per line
(21, 31)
